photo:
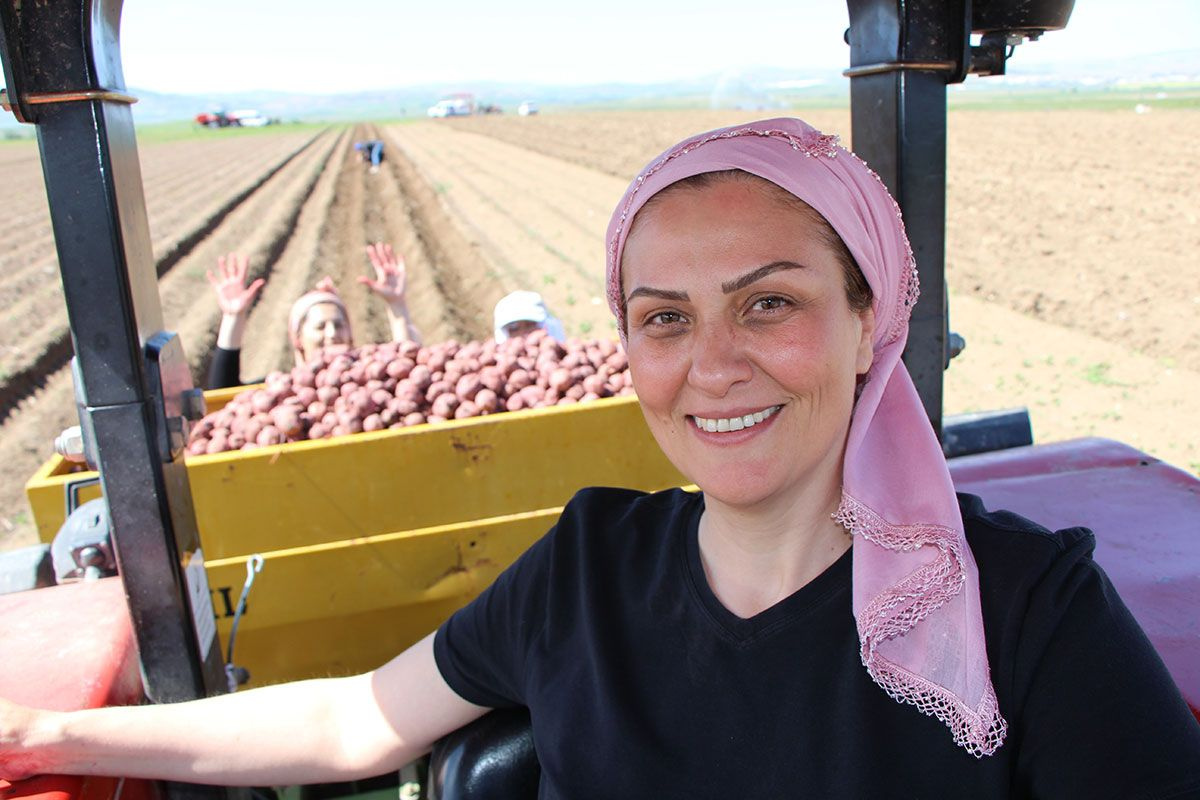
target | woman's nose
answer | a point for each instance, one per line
(719, 358)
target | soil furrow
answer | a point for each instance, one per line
(46, 348)
(173, 188)
(261, 227)
(509, 201)
(427, 172)
(183, 245)
(406, 224)
(340, 251)
(454, 262)
(266, 344)
(172, 233)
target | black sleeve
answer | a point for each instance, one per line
(1101, 716)
(225, 369)
(480, 650)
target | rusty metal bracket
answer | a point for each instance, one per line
(89, 95)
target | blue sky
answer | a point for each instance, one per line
(319, 46)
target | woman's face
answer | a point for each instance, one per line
(323, 325)
(743, 349)
(522, 327)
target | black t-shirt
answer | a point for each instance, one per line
(641, 684)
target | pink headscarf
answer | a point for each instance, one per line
(915, 583)
(324, 292)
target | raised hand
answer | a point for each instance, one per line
(390, 276)
(229, 283)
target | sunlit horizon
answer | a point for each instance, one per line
(374, 45)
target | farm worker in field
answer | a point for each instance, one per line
(371, 151)
(823, 618)
(318, 319)
(522, 312)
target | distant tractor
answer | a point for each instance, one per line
(240, 118)
(212, 119)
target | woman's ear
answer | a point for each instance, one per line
(866, 343)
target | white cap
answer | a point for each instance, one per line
(521, 306)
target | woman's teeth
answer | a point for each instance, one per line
(734, 423)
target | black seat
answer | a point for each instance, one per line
(490, 759)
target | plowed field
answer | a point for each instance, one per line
(1071, 254)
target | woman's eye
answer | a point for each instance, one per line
(665, 318)
(769, 303)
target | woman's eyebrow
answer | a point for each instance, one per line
(758, 274)
(662, 294)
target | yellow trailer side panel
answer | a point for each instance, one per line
(371, 540)
(350, 606)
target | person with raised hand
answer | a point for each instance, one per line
(318, 319)
(234, 298)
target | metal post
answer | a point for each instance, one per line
(902, 55)
(63, 73)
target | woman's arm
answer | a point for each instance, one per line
(234, 298)
(390, 283)
(318, 731)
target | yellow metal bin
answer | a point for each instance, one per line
(371, 540)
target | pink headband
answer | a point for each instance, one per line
(323, 293)
(915, 583)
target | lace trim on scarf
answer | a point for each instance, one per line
(812, 146)
(897, 609)
(910, 283)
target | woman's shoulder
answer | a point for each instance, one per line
(601, 520)
(1006, 542)
(1028, 574)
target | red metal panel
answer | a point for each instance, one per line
(70, 647)
(1146, 517)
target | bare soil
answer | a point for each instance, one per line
(1071, 242)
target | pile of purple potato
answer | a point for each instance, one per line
(398, 384)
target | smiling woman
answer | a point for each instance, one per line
(761, 631)
(736, 312)
(762, 281)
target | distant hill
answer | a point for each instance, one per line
(762, 89)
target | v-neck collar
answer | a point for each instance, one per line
(834, 581)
